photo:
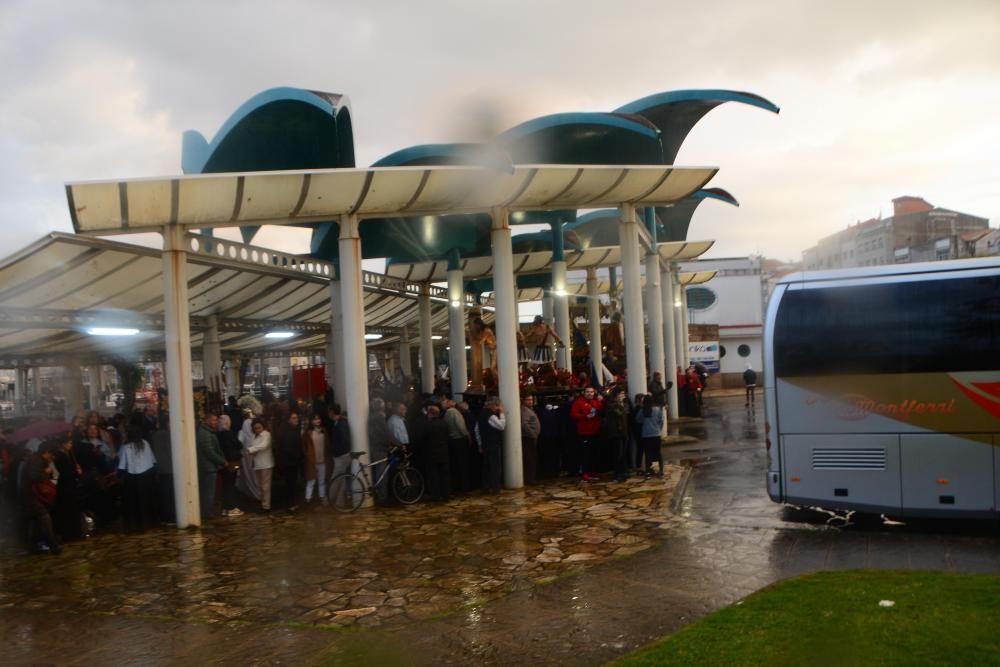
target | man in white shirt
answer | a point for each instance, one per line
(397, 425)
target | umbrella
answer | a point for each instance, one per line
(40, 429)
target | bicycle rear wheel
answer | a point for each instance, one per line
(408, 486)
(347, 491)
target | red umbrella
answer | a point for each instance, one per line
(40, 429)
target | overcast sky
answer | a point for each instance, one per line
(878, 98)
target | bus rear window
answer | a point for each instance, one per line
(928, 326)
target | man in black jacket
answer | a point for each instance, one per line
(436, 455)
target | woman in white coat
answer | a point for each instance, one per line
(263, 461)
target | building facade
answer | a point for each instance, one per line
(916, 232)
(734, 301)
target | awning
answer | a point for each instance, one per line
(604, 286)
(539, 262)
(58, 287)
(288, 197)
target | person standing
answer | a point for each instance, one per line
(340, 444)
(397, 425)
(650, 420)
(66, 513)
(39, 493)
(136, 462)
(658, 390)
(750, 382)
(436, 455)
(232, 451)
(210, 462)
(164, 471)
(531, 428)
(380, 440)
(586, 415)
(263, 462)
(316, 450)
(292, 459)
(616, 420)
(489, 432)
(458, 447)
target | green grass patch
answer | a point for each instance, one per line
(834, 619)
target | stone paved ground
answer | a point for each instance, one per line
(724, 541)
(373, 568)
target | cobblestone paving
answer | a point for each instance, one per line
(374, 568)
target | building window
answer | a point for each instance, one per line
(743, 350)
(701, 298)
(722, 351)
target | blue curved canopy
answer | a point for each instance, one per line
(675, 220)
(583, 138)
(542, 241)
(277, 129)
(405, 240)
(675, 112)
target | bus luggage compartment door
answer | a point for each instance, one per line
(847, 470)
(947, 473)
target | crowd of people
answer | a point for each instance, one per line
(259, 456)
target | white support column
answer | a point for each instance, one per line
(355, 352)
(233, 377)
(335, 347)
(405, 363)
(678, 319)
(20, 382)
(547, 307)
(669, 344)
(456, 334)
(94, 384)
(177, 337)
(685, 328)
(426, 341)
(72, 383)
(506, 323)
(635, 350)
(654, 316)
(36, 386)
(564, 355)
(594, 324)
(211, 356)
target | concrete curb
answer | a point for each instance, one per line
(681, 490)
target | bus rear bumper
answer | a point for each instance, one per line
(774, 486)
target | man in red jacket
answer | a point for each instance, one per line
(586, 414)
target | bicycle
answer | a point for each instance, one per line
(348, 489)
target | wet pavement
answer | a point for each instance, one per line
(559, 574)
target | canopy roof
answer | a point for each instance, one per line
(56, 288)
(604, 286)
(541, 261)
(285, 197)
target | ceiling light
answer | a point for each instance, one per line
(279, 334)
(436, 337)
(111, 331)
(373, 336)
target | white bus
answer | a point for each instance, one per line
(882, 389)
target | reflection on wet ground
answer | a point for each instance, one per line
(557, 575)
(369, 568)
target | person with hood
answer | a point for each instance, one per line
(650, 419)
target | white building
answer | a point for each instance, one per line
(734, 301)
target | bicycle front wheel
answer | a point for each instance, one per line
(408, 486)
(347, 491)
